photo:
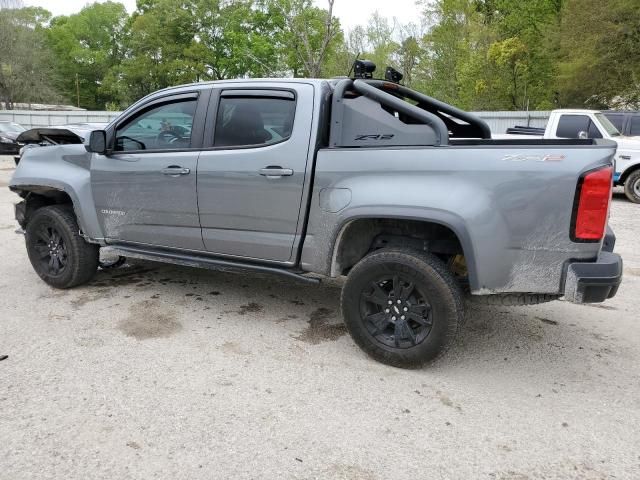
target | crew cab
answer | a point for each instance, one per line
(406, 197)
(595, 124)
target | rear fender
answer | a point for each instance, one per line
(446, 219)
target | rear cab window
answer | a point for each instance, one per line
(570, 126)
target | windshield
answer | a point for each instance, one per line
(11, 127)
(607, 125)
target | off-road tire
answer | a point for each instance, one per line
(431, 279)
(632, 186)
(81, 258)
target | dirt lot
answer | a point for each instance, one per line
(154, 371)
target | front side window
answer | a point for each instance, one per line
(163, 127)
(616, 120)
(253, 121)
(610, 128)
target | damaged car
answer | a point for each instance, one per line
(408, 200)
(45, 137)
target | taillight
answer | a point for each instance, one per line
(591, 209)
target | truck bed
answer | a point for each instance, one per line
(511, 208)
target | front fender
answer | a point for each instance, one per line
(65, 168)
(627, 160)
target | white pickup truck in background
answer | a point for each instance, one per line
(593, 124)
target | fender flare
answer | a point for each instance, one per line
(89, 226)
(446, 219)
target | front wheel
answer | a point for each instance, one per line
(58, 254)
(403, 308)
(632, 187)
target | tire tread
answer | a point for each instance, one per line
(431, 267)
(86, 255)
(628, 186)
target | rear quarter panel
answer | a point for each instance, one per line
(511, 208)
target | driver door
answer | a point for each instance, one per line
(145, 190)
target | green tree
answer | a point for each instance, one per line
(598, 62)
(449, 49)
(87, 45)
(158, 36)
(310, 35)
(169, 43)
(409, 52)
(235, 39)
(25, 61)
(512, 56)
(525, 31)
(491, 54)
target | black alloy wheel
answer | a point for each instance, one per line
(51, 249)
(58, 252)
(395, 312)
(402, 307)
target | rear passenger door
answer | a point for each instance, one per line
(251, 172)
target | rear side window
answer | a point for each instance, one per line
(635, 126)
(570, 125)
(254, 121)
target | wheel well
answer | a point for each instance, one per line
(627, 172)
(365, 235)
(41, 197)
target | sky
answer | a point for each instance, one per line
(350, 12)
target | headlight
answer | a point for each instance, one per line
(5, 140)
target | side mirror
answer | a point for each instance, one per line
(97, 142)
(582, 135)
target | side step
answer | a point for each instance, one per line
(210, 263)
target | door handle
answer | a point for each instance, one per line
(276, 172)
(175, 171)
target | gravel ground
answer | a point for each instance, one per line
(154, 371)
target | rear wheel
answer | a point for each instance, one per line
(58, 254)
(632, 187)
(403, 308)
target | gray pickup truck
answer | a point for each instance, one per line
(407, 197)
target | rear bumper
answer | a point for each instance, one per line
(594, 282)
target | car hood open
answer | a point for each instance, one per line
(60, 136)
